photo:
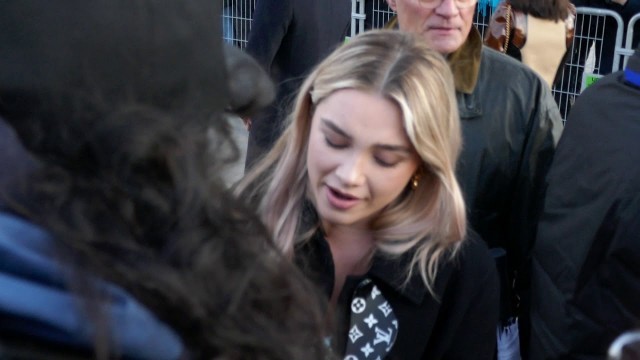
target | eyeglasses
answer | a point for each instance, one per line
(461, 4)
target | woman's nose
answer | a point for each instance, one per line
(351, 172)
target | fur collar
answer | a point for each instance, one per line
(465, 62)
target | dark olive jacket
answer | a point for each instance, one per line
(510, 125)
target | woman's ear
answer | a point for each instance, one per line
(250, 88)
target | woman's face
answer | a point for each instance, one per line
(359, 157)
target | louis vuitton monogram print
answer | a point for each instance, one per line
(373, 327)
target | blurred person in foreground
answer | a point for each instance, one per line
(116, 242)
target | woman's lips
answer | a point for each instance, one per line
(340, 200)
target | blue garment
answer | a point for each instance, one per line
(15, 159)
(34, 300)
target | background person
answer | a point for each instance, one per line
(585, 261)
(288, 38)
(510, 125)
(361, 191)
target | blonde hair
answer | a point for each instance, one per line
(429, 220)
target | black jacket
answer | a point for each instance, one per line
(460, 325)
(288, 38)
(586, 277)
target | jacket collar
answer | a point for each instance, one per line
(316, 260)
(393, 271)
(465, 62)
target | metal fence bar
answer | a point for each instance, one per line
(584, 58)
(381, 13)
(619, 32)
(628, 51)
(358, 17)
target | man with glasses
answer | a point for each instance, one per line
(511, 125)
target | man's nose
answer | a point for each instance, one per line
(447, 8)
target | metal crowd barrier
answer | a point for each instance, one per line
(631, 37)
(583, 64)
(236, 21)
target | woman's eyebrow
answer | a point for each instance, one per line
(335, 128)
(331, 125)
(389, 147)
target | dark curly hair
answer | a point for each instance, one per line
(139, 210)
(125, 186)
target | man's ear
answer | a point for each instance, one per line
(392, 4)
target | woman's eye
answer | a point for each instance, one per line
(336, 144)
(385, 162)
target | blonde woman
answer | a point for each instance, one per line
(361, 192)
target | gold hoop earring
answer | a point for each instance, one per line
(415, 180)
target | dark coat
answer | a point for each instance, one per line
(288, 38)
(510, 126)
(460, 325)
(586, 277)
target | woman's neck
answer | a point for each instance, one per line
(350, 244)
(352, 251)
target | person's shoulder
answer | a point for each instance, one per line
(608, 87)
(474, 250)
(605, 82)
(473, 269)
(501, 72)
(474, 260)
(506, 65)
